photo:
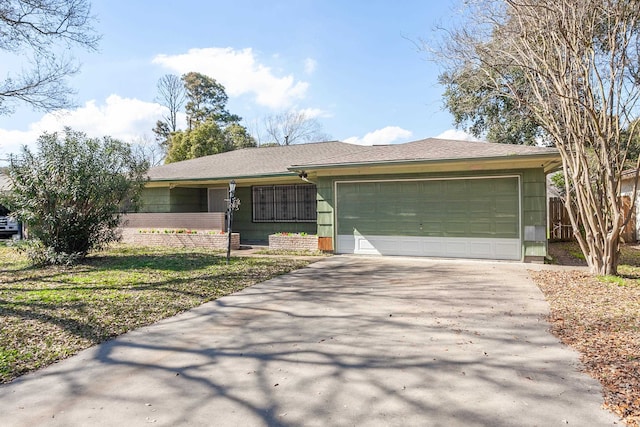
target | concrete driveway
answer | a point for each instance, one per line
(345, 342)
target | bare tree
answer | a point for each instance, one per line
(36, 29)
(292, 127)
(579, 64)
(171, 94)
(145, 149)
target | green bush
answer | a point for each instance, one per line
(72, 192)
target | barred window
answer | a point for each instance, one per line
(284, 203)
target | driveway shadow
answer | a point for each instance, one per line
(345, 341)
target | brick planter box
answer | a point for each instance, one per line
(293, 242)
(180, 240)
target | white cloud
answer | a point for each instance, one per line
(310, 65)
(382, 136)
(314, 113)
(458, 135)
(240, 73)
(123, 118)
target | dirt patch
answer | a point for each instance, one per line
(564, 253)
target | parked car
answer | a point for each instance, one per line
(8, 225)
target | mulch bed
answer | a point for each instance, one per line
(600, 317)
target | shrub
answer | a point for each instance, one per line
(71, 193)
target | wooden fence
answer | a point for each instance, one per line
(560, 228)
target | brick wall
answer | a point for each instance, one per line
(202, 240)
(293, 242)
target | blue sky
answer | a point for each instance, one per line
(353, 65)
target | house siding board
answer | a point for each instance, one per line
(155, 200)
(534, 217)
(324, 186)
(534, 208)
(188, 199)
(537, 249)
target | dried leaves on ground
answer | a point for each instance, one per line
(47, 314)
(600, 317)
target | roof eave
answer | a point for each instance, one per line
(224, 178)
(553, 162)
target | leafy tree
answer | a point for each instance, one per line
(211, 127)
(162, 133)
(579, 66)
(204, 140)
(237, 136)
(206, 100)
(485, 109)
(36, 30)
(71, 192)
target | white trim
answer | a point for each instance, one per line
(448, 247)
(454, 247)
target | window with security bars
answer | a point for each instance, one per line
(284, 203)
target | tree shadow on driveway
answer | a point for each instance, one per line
(346, 341)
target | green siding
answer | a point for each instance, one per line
(534, 211)
(188, 199)
(325, 207)
(259, 231)
(536, 249)
(486, 208)
(155, 200)
(165, 200)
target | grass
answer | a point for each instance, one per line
(600, 317)
(288, 252)
(47, 314)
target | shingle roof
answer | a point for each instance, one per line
(249, 162)
(279, 160)
(433, 149)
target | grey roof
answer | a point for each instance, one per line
(433, 149)
(280, 160)
(248, 162)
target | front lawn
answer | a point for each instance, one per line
(47, 314)
(600, 318)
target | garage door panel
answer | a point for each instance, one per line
(460, 207)
(482, 226)
(454, 212)
(431, 246)
(483, 207)
(432, 228)
(487, 209)
(505, 205)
